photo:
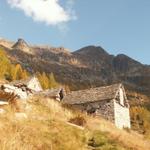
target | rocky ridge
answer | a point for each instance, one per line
(88, 67)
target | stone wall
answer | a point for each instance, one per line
(106, 110)
(110, 110)
(17, 91)
(102, 108)
(122, 116)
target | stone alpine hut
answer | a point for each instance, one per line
(31, 83)
(109, 102)
(22, 88)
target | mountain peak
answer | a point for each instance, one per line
(20, 40)
(125, 58)
(22, 45)
(94, 50)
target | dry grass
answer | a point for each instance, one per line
(54, 108)
(130, 140)
(46, 128)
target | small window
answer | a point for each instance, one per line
(121, 97)
(34, 85)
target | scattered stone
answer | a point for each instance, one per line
(20, 116)
(2, 111)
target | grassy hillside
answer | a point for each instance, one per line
(46, 128)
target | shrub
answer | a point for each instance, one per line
(100, 141)
(78, 120)
(127, 129)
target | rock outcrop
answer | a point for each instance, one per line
(6, 43)
(22, 45)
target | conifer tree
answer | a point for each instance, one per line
(52, 81)
(47, 81)
(43, 80)
(17, 75)
(4, 64)
(10, 71)
(25, 74)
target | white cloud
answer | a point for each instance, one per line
(48, 11)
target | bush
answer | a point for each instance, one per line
(140, 119)
(79, 120)
(100, 141)
(127, 129)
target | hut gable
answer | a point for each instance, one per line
(34, 84)
(121, 109)
(121, 97)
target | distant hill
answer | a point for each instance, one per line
(88, 67)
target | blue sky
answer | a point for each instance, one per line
(119, 26)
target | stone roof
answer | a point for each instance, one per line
(92, 95)
(50, 93)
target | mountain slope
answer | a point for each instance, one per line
(46, 127)
(90, 66)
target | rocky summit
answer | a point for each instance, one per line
(22, 45)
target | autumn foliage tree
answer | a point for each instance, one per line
(5, 64)
(140, 119)
(52, 81)
(10, 71)
(18, 73)
(47, 81)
